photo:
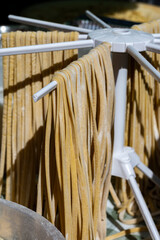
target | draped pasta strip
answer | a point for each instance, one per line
(56, 154)
(84, 102)
(142, 131)
(23, 127)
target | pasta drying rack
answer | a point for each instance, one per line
(123, 42)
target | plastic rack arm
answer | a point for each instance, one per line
(46, 24)
(47, 47)
(97, 20)
(141, 60)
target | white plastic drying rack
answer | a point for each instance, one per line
(123, 42)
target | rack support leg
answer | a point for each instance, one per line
(122, 164)
(136, 162)
(122, 167)
(143, 208)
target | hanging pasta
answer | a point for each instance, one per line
(23, 121)
(142, 131)
(59, 148)
(77, 155)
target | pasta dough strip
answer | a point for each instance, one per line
(9, 166)
(5, 110)
(69, 76)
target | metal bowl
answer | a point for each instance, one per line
(18, 222)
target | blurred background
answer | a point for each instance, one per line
(66, 11)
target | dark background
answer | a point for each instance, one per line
(16, 7)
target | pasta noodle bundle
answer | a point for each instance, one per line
(142, 130)
(23, 120)
(77, 152)
(56, 154)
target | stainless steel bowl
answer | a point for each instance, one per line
(20, 223)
